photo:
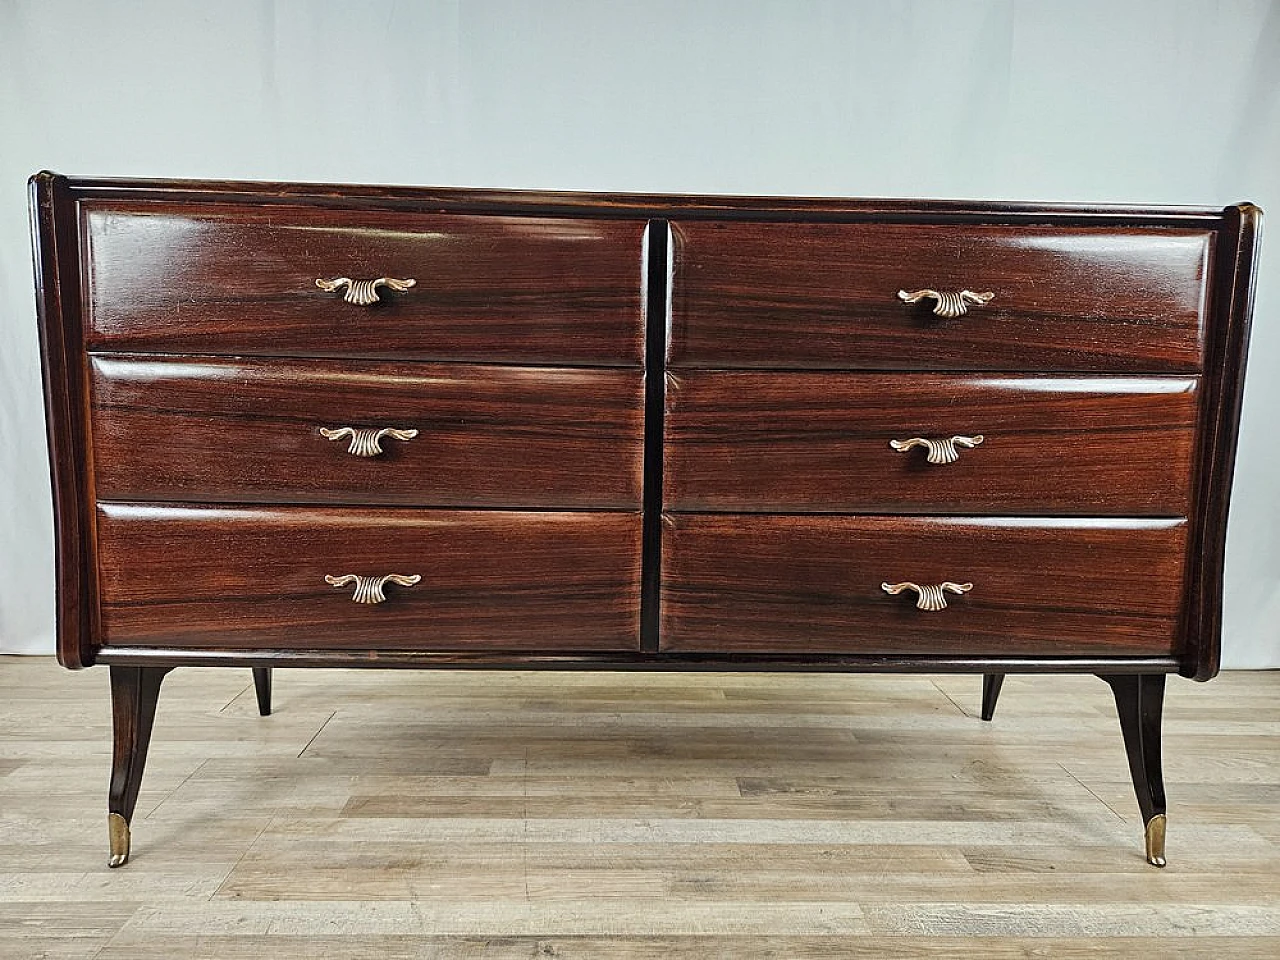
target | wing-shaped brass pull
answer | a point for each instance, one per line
(364, 292)
(929, 596)
(940, 451)
(948, 303)
(366, 441)
(369, 589)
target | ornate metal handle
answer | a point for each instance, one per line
(940, 451)
(364, 292)
(369, 589)
(366, 441)
(948, 304)
(930, 596)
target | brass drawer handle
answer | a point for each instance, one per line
(948, 304)
(930, 596)
(940, 451)
(369, 589)
(366, 441)
(364, 292)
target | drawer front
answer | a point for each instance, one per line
(227, 280)
(797, 584)
(246, 578)
(820, 442)
(826, 295)
(245, 430)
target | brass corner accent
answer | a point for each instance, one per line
(929, 596)
(364, 292)
(948, 303)
(1155, 840)
(370, 589)
(366, 441)
(943, 450)
(118, 832)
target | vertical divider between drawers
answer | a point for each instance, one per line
(655, 371)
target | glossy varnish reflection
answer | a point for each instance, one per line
(203, 518)
(248, 430)
(218, 279)
(1050, 587)
(826, 295)
(759, 442)
(254, 577)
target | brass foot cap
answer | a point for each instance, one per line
(1155, 840)
(118, 831)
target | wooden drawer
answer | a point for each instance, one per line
(244, 578)
(248, 430)
(210, 278)
(797, 584)
(820, 442)
(795, 295)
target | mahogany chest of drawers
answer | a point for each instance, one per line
(309, 425)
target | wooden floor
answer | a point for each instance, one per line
(581, 816)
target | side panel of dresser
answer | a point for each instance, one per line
(1226, 352)
(58, 308)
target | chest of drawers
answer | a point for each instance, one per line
(333, 426)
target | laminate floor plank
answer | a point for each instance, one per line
(493, 816)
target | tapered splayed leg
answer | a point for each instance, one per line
(991, 683)
(1140, 704)
(262, 684)
(134, 692)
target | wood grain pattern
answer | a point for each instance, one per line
(247, 430)
(251, 577)
(1046, 587)
(819, 442)
(241, 280)
(398, 814)
(1066, 298)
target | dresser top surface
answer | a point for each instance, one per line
(481, 199)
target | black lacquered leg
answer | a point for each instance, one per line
(991, 683)
(262, 684)
(1140, 704)
(134, 692)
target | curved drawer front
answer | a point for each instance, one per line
(774, 584)
(246, 430)
(246, 578)
(239, 280)
(827, 295)
(823, 442)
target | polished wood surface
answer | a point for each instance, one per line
(1066, 298)
(786, 511)
(247, 430)
(819, 442)
(241, 280)
(505, 816)
(191, 576)
(1046, 587)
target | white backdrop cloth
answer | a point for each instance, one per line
(1131, 101)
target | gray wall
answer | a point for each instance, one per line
(1163, 101)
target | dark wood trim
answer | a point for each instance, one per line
(262, 687)
(655, 386)
(56, 258)
(1140, 706)
(530, 202)
(821, 663)
(134, 694)
(1226, 352)
(991, 684)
